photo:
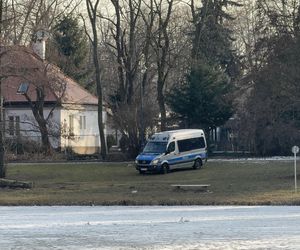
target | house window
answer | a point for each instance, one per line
(82, 122)
(14, 125)
(71, 123)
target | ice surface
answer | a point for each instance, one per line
(150, 227)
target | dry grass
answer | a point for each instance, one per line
(232, 183)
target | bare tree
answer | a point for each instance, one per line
(145, 40)
(161, 42)
(128, 51)
(50, 82)
(167, 31)
(28, 16)
(126, 42)
(43, 80)
(92, 13)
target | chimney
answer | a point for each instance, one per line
(39, 44)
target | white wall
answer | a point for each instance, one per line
(85, 140)
(28, 125)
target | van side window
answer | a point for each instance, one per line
(183, 145)
(191, 144)
(171, 147)
(199, 142)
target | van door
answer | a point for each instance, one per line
(185, 153)
(171, 154)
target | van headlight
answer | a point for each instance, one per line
(154, 162)
(136, 161)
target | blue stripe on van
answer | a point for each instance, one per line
(186, 158)
(175, 160)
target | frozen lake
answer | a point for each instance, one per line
(193, 227)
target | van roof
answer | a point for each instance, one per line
(165, 135)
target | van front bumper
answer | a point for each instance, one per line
(148, 168)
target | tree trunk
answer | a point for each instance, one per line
(99, 93)
(2, 152)
(100, 108)
(46, 145)
(38, 113)
(163, 51)
(92, 12)
(161, 104)
(120, 51)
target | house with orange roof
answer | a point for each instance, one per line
(71, 111)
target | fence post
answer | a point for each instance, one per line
(295, 150)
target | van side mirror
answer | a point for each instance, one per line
(167, 152)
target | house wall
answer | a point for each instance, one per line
(81, 134)
(28, 128)
(80, 129)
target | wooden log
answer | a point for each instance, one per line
(15, 183)
(199, 186)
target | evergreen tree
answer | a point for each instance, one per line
(72, 48)
(212, 42)
(202, 100)
(271, 118)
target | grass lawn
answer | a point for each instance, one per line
(232, 183)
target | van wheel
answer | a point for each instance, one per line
(197, 164)
(165, 168)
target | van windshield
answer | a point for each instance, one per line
(155, 147)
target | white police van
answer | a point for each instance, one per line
(167, 150)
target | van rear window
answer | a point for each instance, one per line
(191, 144)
